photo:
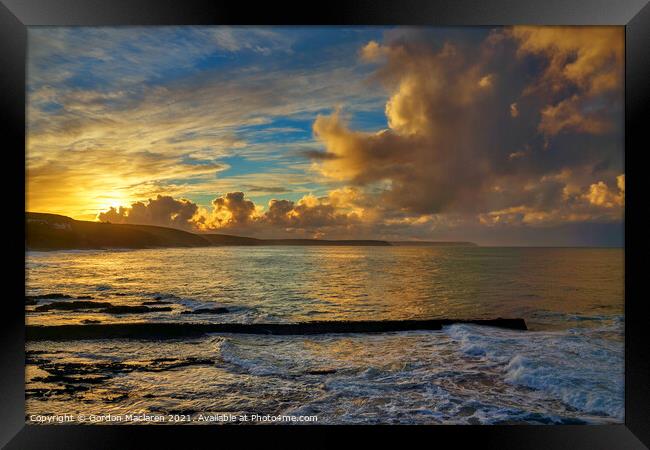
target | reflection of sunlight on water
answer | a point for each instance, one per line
(341, 283)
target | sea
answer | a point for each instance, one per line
(567, 368)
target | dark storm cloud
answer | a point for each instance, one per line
(473, 129)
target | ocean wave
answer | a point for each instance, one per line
(576, 366)
(580, 388)
(229, 353)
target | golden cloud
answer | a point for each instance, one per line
(600, 194)
(162, 211)
(586, 59)
(445, 149)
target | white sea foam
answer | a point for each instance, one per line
(465, 374)
(406, 377)
(575, 366)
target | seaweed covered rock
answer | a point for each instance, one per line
(132, 309)
(73, 305)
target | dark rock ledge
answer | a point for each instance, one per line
(153, 330)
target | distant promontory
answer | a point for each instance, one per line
(56, 232)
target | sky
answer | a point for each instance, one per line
(500, 136)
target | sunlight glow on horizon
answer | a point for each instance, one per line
(371, 132)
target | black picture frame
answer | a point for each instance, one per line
(16, 15)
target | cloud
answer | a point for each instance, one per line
(451, 147)
(568, 115)
(122, 111)
(372, 51)
(137, 54)
(109, 177)
(232, 210)
(432, 156)
(601, 195)
(318, 155)
(278, 213)
(584, 61)
(557, 200)
(267, 189)
(310, 216)
(482, 129)
(620, 183)
(348, 213)
(514, 110)
(486, 81)
(589, 57)
(162, 211)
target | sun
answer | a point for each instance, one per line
(112, 199)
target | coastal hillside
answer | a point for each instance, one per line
(56, 232)
(357, 242)
(434, 243)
